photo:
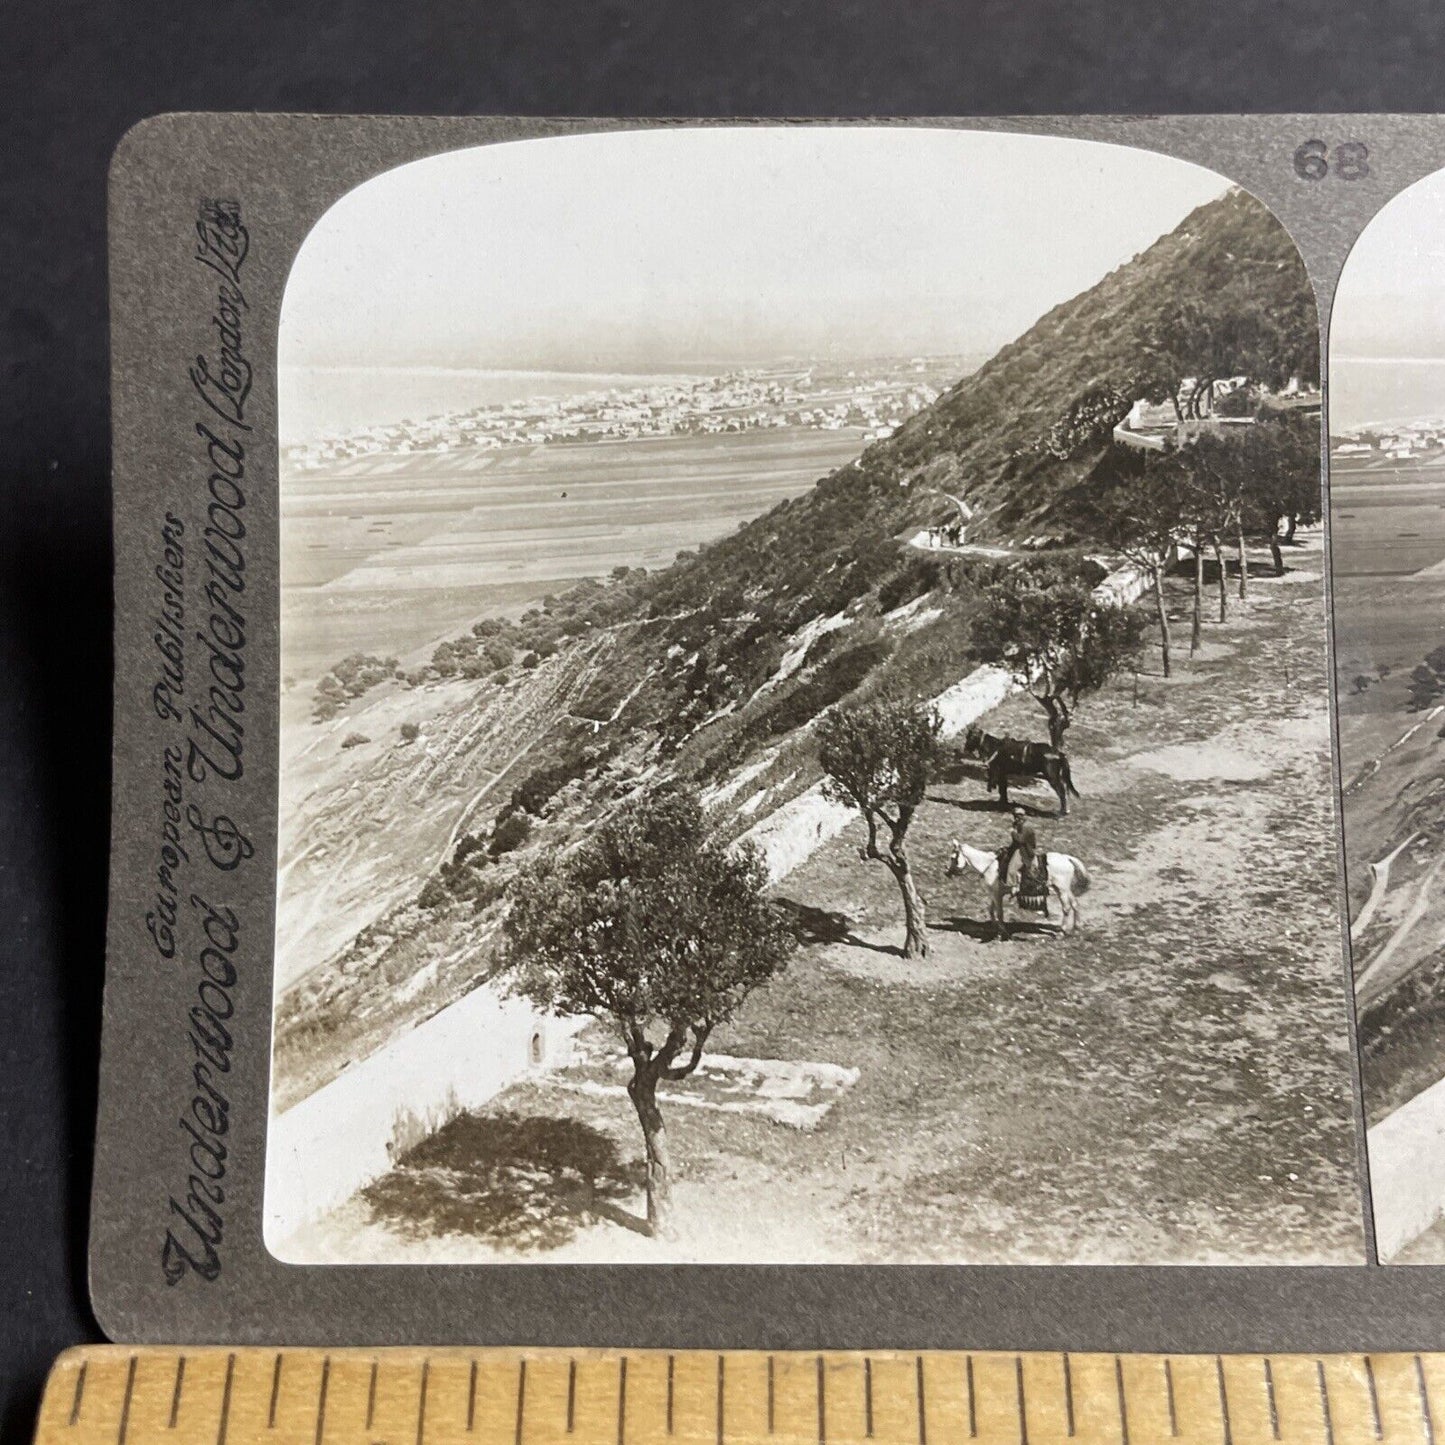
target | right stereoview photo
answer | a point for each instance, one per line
(1387, 508)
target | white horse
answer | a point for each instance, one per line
(1068, 879)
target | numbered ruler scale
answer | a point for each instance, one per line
(125, 1396)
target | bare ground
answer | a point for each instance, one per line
(1172, 1084)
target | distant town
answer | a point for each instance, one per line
(1421, 440)
(871, 398)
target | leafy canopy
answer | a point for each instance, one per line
(1043, 622)
(880, 755)
(651, 924)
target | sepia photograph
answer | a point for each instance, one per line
(805, 711)
(1387, 500)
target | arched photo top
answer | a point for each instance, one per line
(627, 251)
(1387, 325)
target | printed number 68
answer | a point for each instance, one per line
(1312, 160)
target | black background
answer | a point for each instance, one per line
(74, 77)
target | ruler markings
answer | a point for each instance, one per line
(1426, 1417)
(79, 1392)
(225, 1420)
(822, 1406)
(1223, 1401)
(321, 1398)
(276, 1393)
(1325, 1402)
(1019, 1396)
(139, 1393)
(1374, 1399)
(621, 1400)
(176, 1392)
(922, 1401)
(1270, 1399)
(125, 1402)
(1123, 1406)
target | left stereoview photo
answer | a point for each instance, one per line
(804, 713)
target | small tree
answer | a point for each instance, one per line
(1281, 468)
(1213, 507)
(879, 757)
(1043, 622)
(656, 929)
(1139, 517)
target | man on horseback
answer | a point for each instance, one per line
(1033, 880)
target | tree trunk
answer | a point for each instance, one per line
(1196, 634)
(1163, 618)
(915, 921)
(1276, 553)
(1290, 522)
(1058, 721)
(1223, 589)
(642, 1089)
(1243, 563)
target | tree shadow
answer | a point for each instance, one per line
(982, 930)
(527, 1182)
(955, 768)
(993, 805)
(820, 925)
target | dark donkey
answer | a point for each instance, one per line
(1005, 757)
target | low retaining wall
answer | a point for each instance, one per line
(1407, 1171)
(347, 1134)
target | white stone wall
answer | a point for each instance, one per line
(342, 1137)
(1407, 1170)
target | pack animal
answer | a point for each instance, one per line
(1012, 757)
(1068, 881)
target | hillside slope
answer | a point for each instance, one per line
(717, 666)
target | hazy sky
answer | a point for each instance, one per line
(636, 250)
(1391, 297)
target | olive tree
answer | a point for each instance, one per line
(1139, 518)
(879, 757)
(1043, 622)
(658, 930)
(1281, 469)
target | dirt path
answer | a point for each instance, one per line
(1379, 885)
(1375, 979)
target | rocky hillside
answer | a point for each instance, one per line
(715, 668)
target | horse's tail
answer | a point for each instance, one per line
(1082, 881)
(1068, 776)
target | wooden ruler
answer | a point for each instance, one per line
(111, 1395)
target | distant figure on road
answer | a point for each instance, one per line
(1033, 884)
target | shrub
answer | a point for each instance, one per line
(510, 833)
(354, 740)
(410, 732)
